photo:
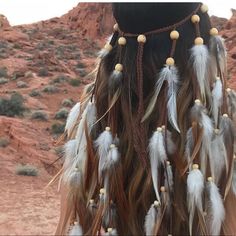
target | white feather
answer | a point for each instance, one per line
(157, 155)
(150, 220)
(72, 118)
(219, 157)
(76, 230)
(102, 143)
(161, 79)
(173, 79)
(91, 115)
(195, 185)
(217, 211)
(189, 144)
(104, 52)
(112, 158)
(216, 100)
(206, 141)
(199, 58)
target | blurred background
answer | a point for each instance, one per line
(47, 49)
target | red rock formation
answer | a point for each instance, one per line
(4, 23)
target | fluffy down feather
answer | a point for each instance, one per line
(76, 230)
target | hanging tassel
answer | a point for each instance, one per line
(217, 96)
(72, 118)
(219, 156)
(152, 218)
(102, 143)
(76, 230)
(112, 157)
(195, 186)
(216, 208)
(169, 74)
(157, 155)
(75, 180)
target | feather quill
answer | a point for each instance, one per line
(189, 144)
(233, 185)
(157, 155)
(195, 186)
(91, 115)
(76, 230)
(216, 208)
(199, 58)
(217, 95)
(169, 179)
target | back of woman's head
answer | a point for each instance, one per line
(150, 124)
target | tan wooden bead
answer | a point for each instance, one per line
(195, 18)
(76, 223)
(118, 67)
(115, 27)
(225, 115)
(204, 8)
(107, 128)
(141, 38)
(170, 61)
(214, 31)
(156, 203)
(198, 41)
(108, 47)
(122, 41)
(109, 230)
(195, 166)
(216, 131)
(102, 191)
(159, 129)
(163, 189)
(228, 90)
(112, 146)
(91, 201)
(174, 34)
(167, 163)
(210, 179)
(197, 101)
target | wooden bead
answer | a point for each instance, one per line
(170, 61)
(210, 179)
(163, 189)
(167, 163)
(174, 34)
(225, 115)
(112, 146)
(118, 67)
(234, 157)
(115, 27)
(195, 166)
(91, 201)
(204, 8)
(159, 129)
(216, 131)
(108, 47)
(122, 41)
(107, 128)
(156, 203)
(76, 223)
(141, 38)
(109, 230)
(195, 18)
(102, 191)
(197, 102)
(214, 31)
(198, 41)
(228, 90)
